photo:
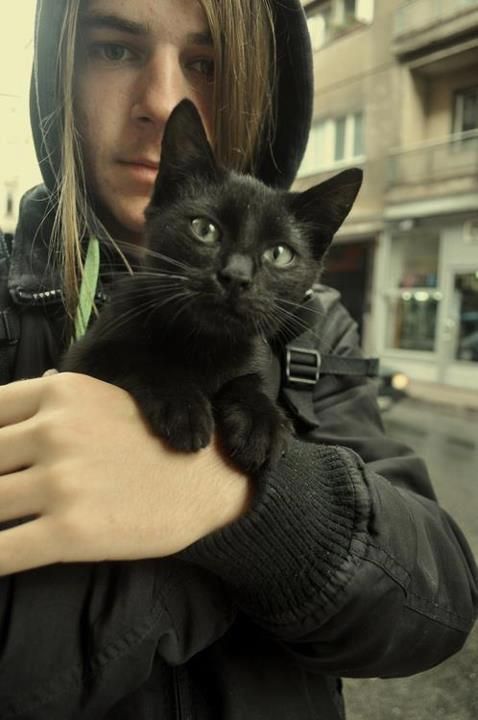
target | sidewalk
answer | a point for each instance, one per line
(458, 399)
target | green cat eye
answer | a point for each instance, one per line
(280, 255)
(205, 230)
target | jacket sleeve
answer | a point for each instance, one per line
(345, 555)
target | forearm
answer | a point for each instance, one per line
(352, 573)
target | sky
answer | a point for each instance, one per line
(17, 158)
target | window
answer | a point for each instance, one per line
(466, 305)
(321, 26)
(340, 124)
(414, 297)
(358, 143)
(364, 11)
(9, 204)
(466, 110)
(334, 142)
(331, 18)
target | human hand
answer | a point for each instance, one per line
(76, 454)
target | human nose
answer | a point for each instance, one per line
(160, 88)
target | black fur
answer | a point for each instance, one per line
(186, 339)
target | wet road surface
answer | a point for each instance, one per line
(448, 441)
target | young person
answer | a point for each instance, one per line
(147, 583)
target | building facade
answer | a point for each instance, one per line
(397, 94)
(18, 167)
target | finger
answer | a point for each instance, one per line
(17, 449)
(51, 371)
(20, 496)
(27, 546)
(20, 400)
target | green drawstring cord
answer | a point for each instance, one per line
(88, 287)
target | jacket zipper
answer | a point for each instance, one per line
(181, 694)
(49, 295)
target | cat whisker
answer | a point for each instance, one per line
(261, 331)
(189, 296)
(147, 288)
(138, 277)
(290, 322)
(178, 296)
(129, 315)
(296, 305)
(304, 326)
(118, 269)
(154, 253)
(156, 273)
(291, 315)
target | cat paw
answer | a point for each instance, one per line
(253, 430)
(185, 422)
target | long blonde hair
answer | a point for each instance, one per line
(243, 38)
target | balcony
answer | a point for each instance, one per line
(434, 169)
(423, 27)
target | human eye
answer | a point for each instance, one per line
(112, 52)
(203, 67)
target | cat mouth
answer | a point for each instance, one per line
(228, 308)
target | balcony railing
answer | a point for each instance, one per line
(419, 15)
(454, 157)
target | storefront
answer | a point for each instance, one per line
(427, 299)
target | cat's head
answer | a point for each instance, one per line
(236, 256)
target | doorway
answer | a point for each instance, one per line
(458, 349)
(348, 269)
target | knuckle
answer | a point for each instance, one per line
(50, 432)
(66, 386)
(64, 382)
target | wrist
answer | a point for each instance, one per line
(231, 491)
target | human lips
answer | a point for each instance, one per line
(143, 169)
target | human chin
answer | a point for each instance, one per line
(123, 216)
(129, 216)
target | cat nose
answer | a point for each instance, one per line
(237, 272)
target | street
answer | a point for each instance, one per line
(448, 440)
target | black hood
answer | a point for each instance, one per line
(293, 102)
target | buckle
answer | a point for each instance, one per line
(302, 366)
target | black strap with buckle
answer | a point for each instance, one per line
(304, 366)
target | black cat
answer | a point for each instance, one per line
(228, 261)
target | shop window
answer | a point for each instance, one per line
(466, 309)
(334, 142)
(414, 296)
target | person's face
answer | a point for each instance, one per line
(137, 59)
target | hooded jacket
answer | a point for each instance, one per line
(345, 565)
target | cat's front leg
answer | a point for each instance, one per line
(174, 406)
(253, 429)
(178, 412)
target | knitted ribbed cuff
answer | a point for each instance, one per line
(295, 550)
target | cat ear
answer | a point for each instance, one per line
(325, 206)
(185, 152)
